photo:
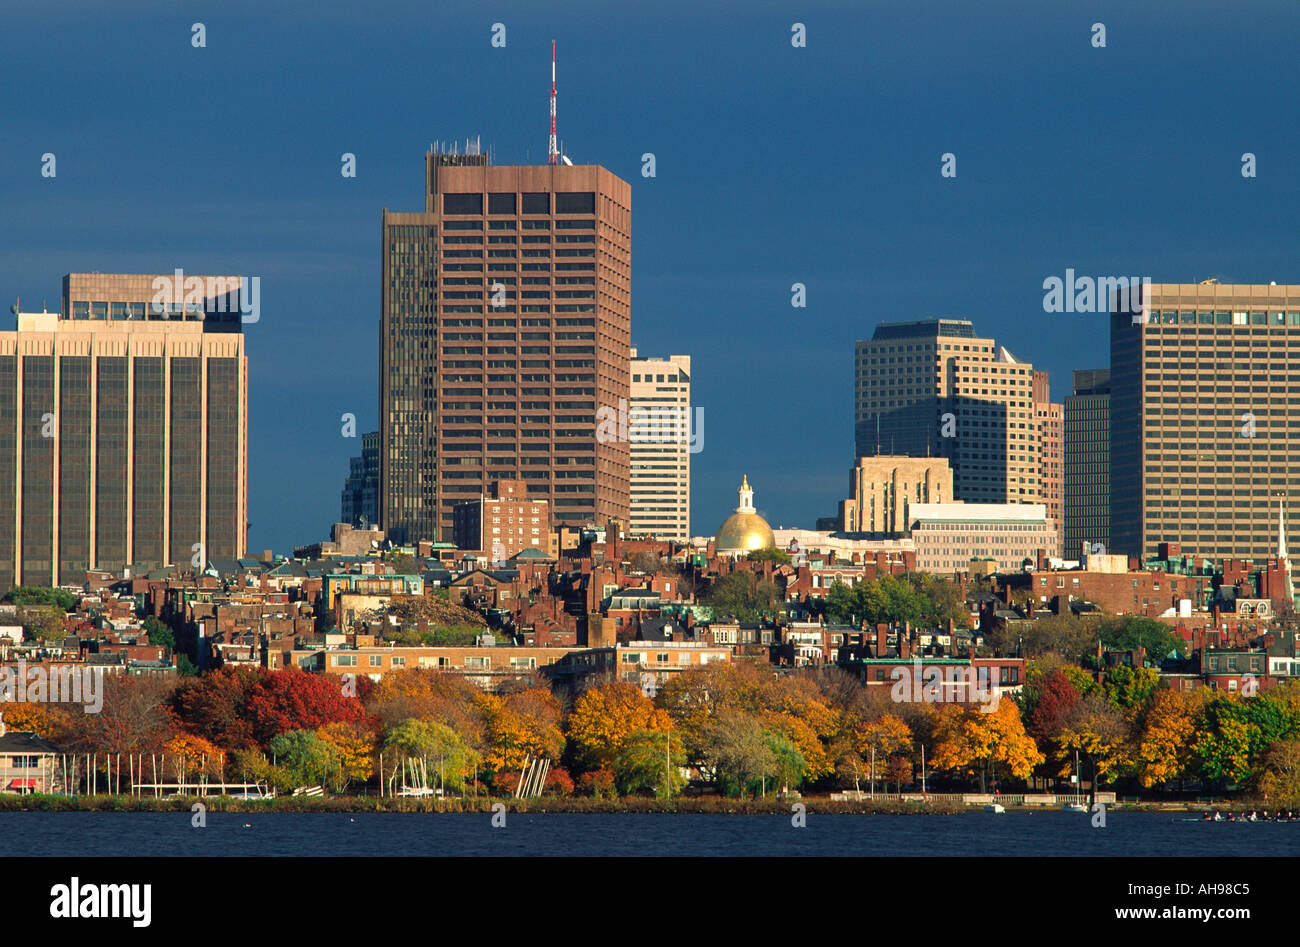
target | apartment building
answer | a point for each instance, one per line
(949, 535)
(504, 522)
(659, 435)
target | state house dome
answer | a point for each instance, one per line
(744, 530)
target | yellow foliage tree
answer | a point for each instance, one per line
(604, 717)
(792, 707)
(1098, 732)
(47, 721)
(970, 742)
(352, 748)
(523, 725)
(186, 756)
(1164, 751)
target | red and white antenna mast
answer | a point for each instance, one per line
(554, 151)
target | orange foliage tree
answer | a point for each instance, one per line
(604, 717)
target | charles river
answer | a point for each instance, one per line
(425, 834)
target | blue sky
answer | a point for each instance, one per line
(775, 165)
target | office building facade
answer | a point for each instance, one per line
(935, 389)
(949, 536)
(883, 489)
(1051, 453)
(1087, 463)
(505, 326)
(1205, 418)
(123, 432)
(359, 504)
(659, 436)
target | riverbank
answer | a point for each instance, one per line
(695, 805)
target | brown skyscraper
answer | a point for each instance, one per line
(505, 324)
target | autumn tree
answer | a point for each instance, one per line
(1097, 731)
(867, 747)
(290, 700)
(1057, 699)
(973, 743)
(604, 718)
(215, 706)
(1165, 744)
(524, 725)
(1280, 780)
(650, 760)
(133, 719)
(49, 721)
(188, 756)
(352, 753)
(793, 707)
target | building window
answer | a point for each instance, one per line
(462, 203)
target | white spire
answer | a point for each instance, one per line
(1281, 532)
(746, 497)
(1288, 587)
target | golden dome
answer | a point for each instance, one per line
(744, 530)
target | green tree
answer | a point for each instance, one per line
(303, 754)
(743, 596)
(738, 751)
(780, 557)
(842, 605)
(1128, 632)
(39, 595)
(1131, 688)
(160, 635)
(941, 600)
(789, 765)
(644, 763)
(438, 749)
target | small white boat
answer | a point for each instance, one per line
(1075, 807)
(994, 807)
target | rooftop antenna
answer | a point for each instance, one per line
(553, 152)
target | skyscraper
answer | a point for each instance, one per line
(661, 448)
(1087, 462)
(933, 389)
(123, 430)
(360, 500)
(1205, 418)
(505, 325)
(1051, 475)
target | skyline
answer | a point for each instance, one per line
(1022, 208)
